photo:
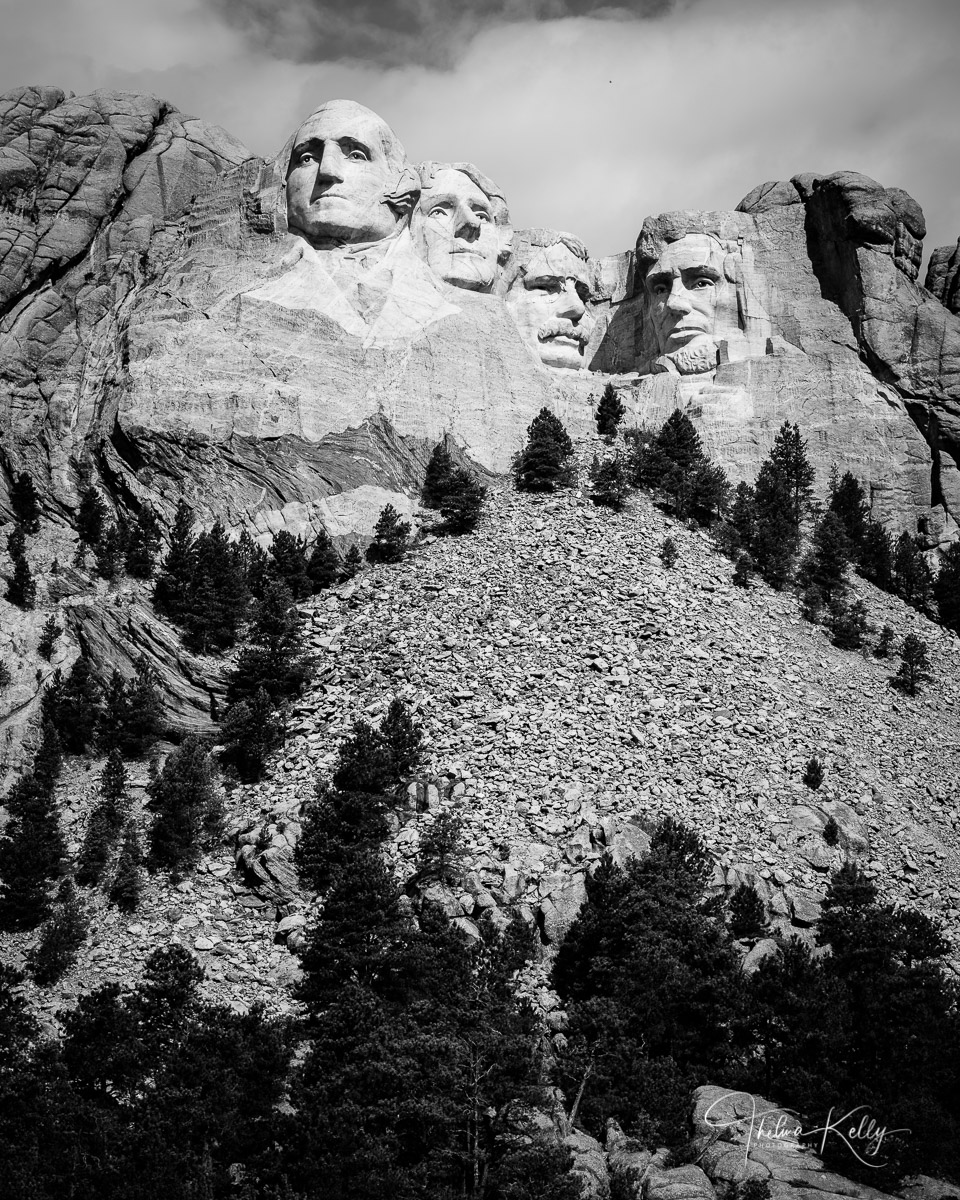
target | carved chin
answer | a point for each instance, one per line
(696, 359)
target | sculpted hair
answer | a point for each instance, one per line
(658, 233)
(428, 171)
(528, 241)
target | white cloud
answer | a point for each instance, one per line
(587, 125)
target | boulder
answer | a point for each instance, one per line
(678, 1183)
(943, 276)
(589, 1165)
(627, 1161)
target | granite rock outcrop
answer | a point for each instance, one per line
(943, 276)
(284, 341)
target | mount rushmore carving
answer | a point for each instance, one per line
(284, 341)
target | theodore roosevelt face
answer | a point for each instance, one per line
(549, 304)
(454, 227)
(345, 160)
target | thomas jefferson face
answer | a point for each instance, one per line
(455, 231)
(549, 304)
(684, 287)
(341, 167)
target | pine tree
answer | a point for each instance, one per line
(788, 458)
(437, 478)
(128, 878)
(143, 544)
(48, 636)
(914, 666)
(31, 854)
(610, 412)
(48, 762)
(73, 706)
(106, 820)
(219, 598)
(324, 566)
(365, 762)
(337, 825)
(91, 516)
(743, 514)
(25, 503)
(288, 564)
(848, 502)
(946, 588)
(251, 730)
(609, 482)
(461, 505)
(748, 917)
(5, 677)
(171, 592)
(109, 552)
(912, 577)
(352, 563)
(776, 536)
(674, 463)
(669, 553)
(144, 722)
(22, 588)
(544, 464)
(831, 832)
(275, 660)
(403, 736)
(826, 563)
(186, 805)
(876, 556)
(848, 623)
(254, 563)
(441, 852)
(884, 643)
(391, 536)
(813, 773)
(743, 571)
(61, 937)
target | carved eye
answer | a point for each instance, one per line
(306, 157)
(703, 281)
(439, 211)
(358, 156)
(660, 290)
(481, 216)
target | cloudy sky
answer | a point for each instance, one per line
(590, 117)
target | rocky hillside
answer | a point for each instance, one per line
(573, 689)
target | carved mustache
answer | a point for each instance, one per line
(562, 328)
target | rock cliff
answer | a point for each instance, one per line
(165, 322)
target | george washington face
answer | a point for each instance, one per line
(345, 162)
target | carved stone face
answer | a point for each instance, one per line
(549, 304)
(345, 160)
(685, 286)
(455, 231)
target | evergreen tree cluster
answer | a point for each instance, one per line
(765, 520)
(32, 852)
(348, 816)
(187, 808)
(209, 584)
(456, 492)
(673, 464)
(126, 716)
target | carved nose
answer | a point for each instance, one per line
(677, 301)
(467, 224)
(330, 169)
(571, 306)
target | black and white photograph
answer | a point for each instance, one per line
(480, 600)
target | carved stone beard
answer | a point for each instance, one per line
(696, 359)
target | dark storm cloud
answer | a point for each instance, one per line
(396, 33)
